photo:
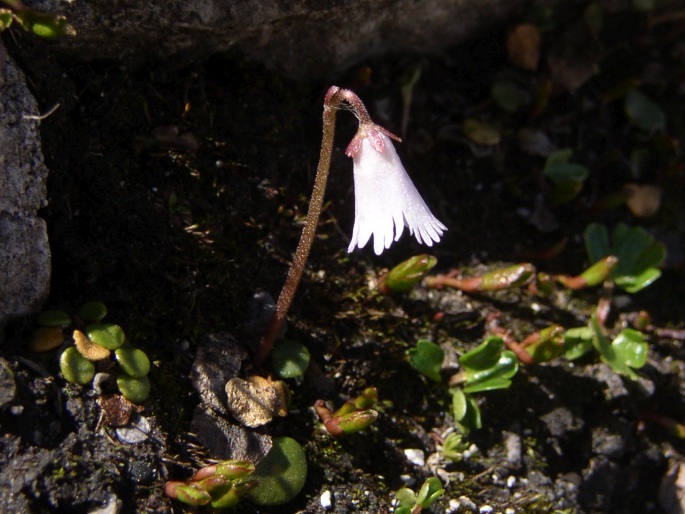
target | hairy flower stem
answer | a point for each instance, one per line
(334, 97)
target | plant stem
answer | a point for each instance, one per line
(334, 97)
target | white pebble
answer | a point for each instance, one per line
(415, 456)
(485, 509)
(408, 480)
(135, 432)
(326, 500)
(511, 481)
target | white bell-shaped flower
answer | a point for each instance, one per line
(386, 199)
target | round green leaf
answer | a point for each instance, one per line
(509, 96)
(92, 312)
(54, 318)
(646, 113)
(481, 132)
(427, 358)
(133, 361)
(459, 405)
(135, 390)
(483, 356)
(76, 368)
(106, 334)
(290, 359)
(281, 474)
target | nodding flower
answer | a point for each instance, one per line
(386, 199)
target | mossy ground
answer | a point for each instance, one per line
(175, 236)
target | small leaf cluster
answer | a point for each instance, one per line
(354, 415)
(487, 367)
(96, 346)
(276, 479)
(42, 24)
(411, 502)
(220, 485)
(626, 352)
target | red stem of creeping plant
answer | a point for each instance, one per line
(334, 97)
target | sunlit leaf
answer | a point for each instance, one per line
(577, 342)
(426, 357)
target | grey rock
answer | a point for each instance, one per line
(227, 441)
(8, 386)
(24, 250)
(303, 39)
(218, 359)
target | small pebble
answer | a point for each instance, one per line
(511, 481)
(113, 506)
(467, 503)
(326, 500)
(485, 509)
(136, 432)
(408, 480)
(415, 456)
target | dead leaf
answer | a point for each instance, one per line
(523, 47)
(87, 348)
(573, 60)
(255, 401)
(643, 200)
(116, 409)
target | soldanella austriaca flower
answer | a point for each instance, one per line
(385, 197)
(385, 201)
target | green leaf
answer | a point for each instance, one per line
(637, 252)
(134, 389)
(559, 157)
(281, 474)
(627, 351)
(481, 132)
(406, 497)
(454, 446)
(427, 358)
(133, 361)
(106, 334)
(509, 96)
(635, 283)
(430, 491)
(470, 419)
(484, 383)
(459, 404)
(488, 367)
(45, 25)
(483, 356)
(92, 312)
(54, 318)
(6, 18)
(596, 241)
(75, 368)
(407, 274)
(644, 112)
(290, 359)
(631, 347)
(577, 342)
(567, 178)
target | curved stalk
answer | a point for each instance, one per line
(334, 97)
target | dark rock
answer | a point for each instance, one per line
(8, 388)
(24, 251)
(218, 359)
(227, 441)
(303, 40)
